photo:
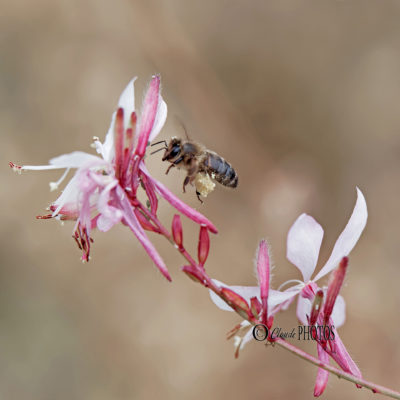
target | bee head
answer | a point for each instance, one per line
(173, 149)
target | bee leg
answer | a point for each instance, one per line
(191, 175)
(172, 165)
(189, 179)
(198, 196)
(185, 182)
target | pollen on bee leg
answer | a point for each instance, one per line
(204, 185)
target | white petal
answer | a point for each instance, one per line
(70, 196)
(276, 297)
(71, 160)
(107, 149)
(303, 309)
(303, 244)
(127, 101)
(160, 119)
(339, 312)
(349, 237)
(104, 224)
(110, 215)
(247, 292)
(75, 159)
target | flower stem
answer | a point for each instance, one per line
(340, 374)
(166, 234)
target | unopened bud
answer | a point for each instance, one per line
(322, 375)
(193, 273)
(263, 271)
(146, 224)
(204, 245)
(334, 286)
(237, 302)
(119, 141)
(177, 230)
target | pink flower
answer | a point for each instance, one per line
(303, 245)
(259, 302)
(103, 190)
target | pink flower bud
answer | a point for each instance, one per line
(204, 245)
(237, 302)
(193, 273)
(334, 286)
(177, 230)
(146, 224)
(322, 375)
(119, 141)
(149, 112)
(263, 271)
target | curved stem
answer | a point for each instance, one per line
(340, 374)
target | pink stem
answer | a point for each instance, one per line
(340, 374)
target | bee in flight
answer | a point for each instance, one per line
(202, 165)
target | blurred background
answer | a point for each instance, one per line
(302, 97)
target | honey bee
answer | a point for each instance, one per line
(201, 165)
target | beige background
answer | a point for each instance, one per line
(302, 97)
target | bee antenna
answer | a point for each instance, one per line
(156, 151)
(161, 141)
(183, 126)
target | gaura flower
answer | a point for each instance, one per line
(259, 302)
(304, 241)
(303, 246)
(103, 190)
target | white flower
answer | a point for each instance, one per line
(303, 246)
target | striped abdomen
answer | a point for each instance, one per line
(220, 170)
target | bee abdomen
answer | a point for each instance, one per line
(220, 170)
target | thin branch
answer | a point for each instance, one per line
(340, 374)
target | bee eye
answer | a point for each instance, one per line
(175, 151)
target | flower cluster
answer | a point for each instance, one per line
(315, 306)
(103, 190)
